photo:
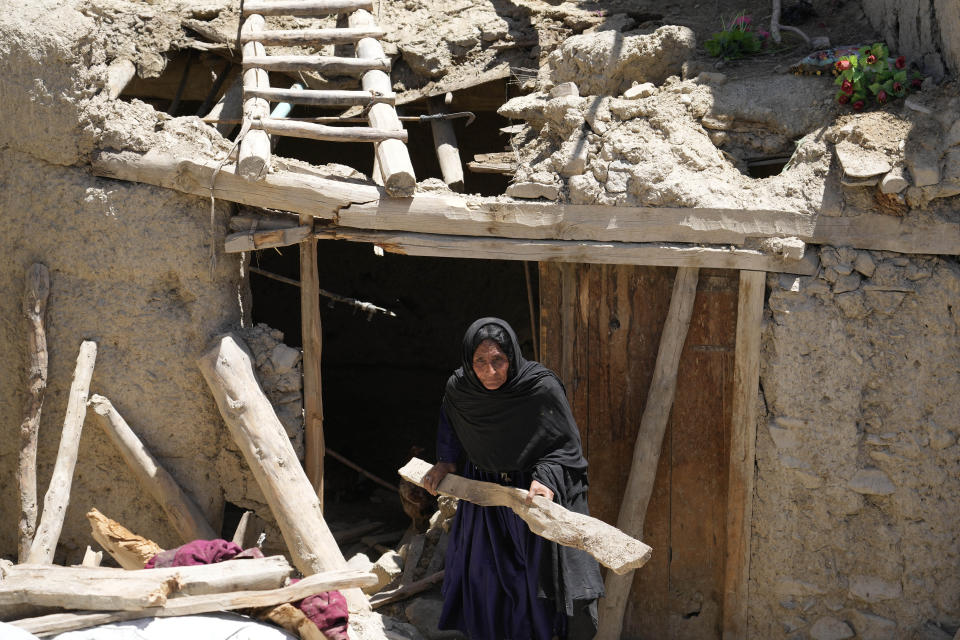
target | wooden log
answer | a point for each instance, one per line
(324, 97)
(228, 107)
(329, 65)
(304, 7)
(249, 221)
(743, 439)
(312, 36)
(254, 240)
(392, 156)
(649, 442)
(312, 131)
(254, 156)
(228, 370)
(445, 142)
(183, 513)
(291, 618)
(366, 474)
(91, 558)
(119, 74)
(127, 548)
(402, 593)
(611, 547)
(312, 340)
(35, 296)
(58, 493)
(190, 605)
(653, 254)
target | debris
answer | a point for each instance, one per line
(565, 89)
(895, 181)
(401, 593)
(533, 190)
(860, 163)
(127, 548)
(642, 90)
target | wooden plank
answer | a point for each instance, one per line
(35, 295)
(312, 340)
(183, 513)
(445, 143)
(254, 240)
(909, 234)
(312, 36)
(649, 442)
(331, 65)
(611, 547)
(505, 163)
(656, 254)
(254, 156)
(190, 605)
(743, 439)
(313, 131)
(58, 493)
(323, 97)
(304, 7)
(392, 156)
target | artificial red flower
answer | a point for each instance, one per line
(843, 65)
(898, 87)
(882, 96)
(742, 21)
(847, 87)
(871, 59)
(843, 98)
(858, 105)
(900, 63)
(915, 83)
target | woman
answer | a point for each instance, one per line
(511, 419)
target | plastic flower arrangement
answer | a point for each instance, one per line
(872, 72)
(736, 40)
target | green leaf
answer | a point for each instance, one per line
(900, 76)
(875, 87)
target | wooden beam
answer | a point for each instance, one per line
(908, 234)
(58, 493)
(612, 548)
(190, 605)
(384, 598)
(254, 240)
(743, 439)
(131, 551)
(330, 65)
(445, 142)
(228, 107)
(183, 513)
(312, 36)
(254, 156)
(228, 370)
(312, 340)
(313, 131)
(392, 157)
(325, 97)
(36, 293)
(653, 254)
(304, 7)
(649, 442)
(119, 74)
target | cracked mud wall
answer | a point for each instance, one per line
(858, 464)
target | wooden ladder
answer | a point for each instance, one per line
(392, 160)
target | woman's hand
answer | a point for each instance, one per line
(432, 478)
(538, 489)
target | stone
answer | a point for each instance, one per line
(873, 588)
(819, 42)
(940, 438)
(793, 587)
(872, 626)
(528, 107)
(953, 135)
(284, 358)
(571, 158)
(533, 190)
(717, 121)
(830, 628)
(852, 305)
(872, 482)
(829, 256)
(913, 103)
(360, 562)
(711, 77)
(924, 166)
(861, 163)
(885, 302)
(642, 90)
(849, 282)
(597, 114)
(617, 181)
(564, 89)
(783, 438)
(386, 568)
(895, 181)
(864, 264)
(424, 614)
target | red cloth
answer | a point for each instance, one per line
(327, 610)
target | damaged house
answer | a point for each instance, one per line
(280, 215)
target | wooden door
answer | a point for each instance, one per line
(600, 330)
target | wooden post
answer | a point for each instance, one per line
(228, 370)
(743, 440)
(183, 513)
(646, 451)
(445, 141)
(254, 158)
(392, 156)
(35, 308)
(312, 335)
(58, 493)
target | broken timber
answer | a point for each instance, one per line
(130, 550)
(611, 547)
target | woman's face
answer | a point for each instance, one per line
(490, 364)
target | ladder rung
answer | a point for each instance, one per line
(312, 36)
(328, 64)
(304, 7)
(275, 126)
(319, 97)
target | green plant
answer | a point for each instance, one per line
(871, 72)
(736, 40)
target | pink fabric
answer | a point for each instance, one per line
(327, 610)
(201, 552)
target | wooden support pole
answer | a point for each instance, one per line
(312, 36)
(612, 548)
(646, 451)
(312, 338)
(130, 550)
(396, 169)
(190, 605)
(743, 440)
(228, 370)
(313, 131)
(325, 97)
(35, 308)
(304, 7)
(183, 513)
(329, 65)
(253, 160)
(58, 493)
(445, 142)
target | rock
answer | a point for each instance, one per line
(386, 568)
(860, 163)
(940, 438)
(819, 42)
(617, 181)
(529, 107)
(924, 165)
(914, 104)
(790, 248)
(717, 121)
(424, 614)
(869, 625)
(360, 562)
(845, 283)
(953, 135)
(284, 358)
(564, 89)
(852, 305)
(873, 589)
(533, 190)
(642, 90)
(872, 482)
(885, 302)
(597, 114)
(864, 264)
(571, 159)
(783, 438)
(711, 77)
(829, 628)
(793, 587)
(932, 631)
(895, 181)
